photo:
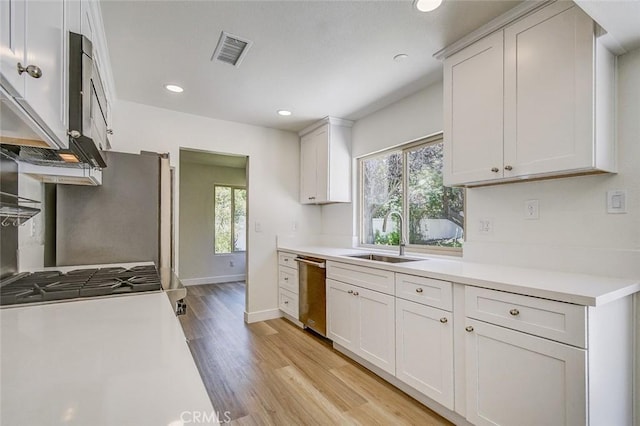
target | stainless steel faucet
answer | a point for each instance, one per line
(403, 242)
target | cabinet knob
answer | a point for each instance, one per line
(33, 70)
(469, 328)
(286, 278)
(514, 312)
(109, 131)
(355, 293)
(350, 292)
(418, 290)
(286, 302)
(443, 320)
(495, 169)
(509, 168)
(312, 198)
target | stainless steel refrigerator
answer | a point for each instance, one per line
(126, 219)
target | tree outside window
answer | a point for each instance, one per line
(409, 181)
(230, 219)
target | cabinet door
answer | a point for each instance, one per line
(473, 112)
(376, 328)
(288, 302)
(308, 169)
(12, 43)
(515, 378)
(321, 140)
(549, 92)
(341, 313)
(424, 350)
(46, 47)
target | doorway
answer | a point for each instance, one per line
(213, 200)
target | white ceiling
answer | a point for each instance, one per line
(316, 58)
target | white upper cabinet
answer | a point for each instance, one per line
(325, 162)
(34, 37)
(473, 102)
(532, 100)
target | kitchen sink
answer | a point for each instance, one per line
(383, 258)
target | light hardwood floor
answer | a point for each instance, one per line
(274, 373)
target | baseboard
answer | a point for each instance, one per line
(452, 416)
(213, 280)
(250, 317)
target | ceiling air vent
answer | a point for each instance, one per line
(231, 49)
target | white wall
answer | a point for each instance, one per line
(199, 264)
(574, 232)
(411, 118)
(273, 180)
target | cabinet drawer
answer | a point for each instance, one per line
(289, 303)
(373, 279)
(426, 291)
(287, 259)
(558, 321)
(288, 279)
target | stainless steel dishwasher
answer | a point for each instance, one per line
(313, 300)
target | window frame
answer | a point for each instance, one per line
(404, 150)
(233, 223)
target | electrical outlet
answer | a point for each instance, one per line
(294, 226)
(231, 264)
(258, 227)
(532, 209)
(486, 225)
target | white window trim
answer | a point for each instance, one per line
(416, 248)
(233, 224)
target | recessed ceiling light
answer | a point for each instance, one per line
(427, 5)
(284, 112)
(400, 57)
(173, 88)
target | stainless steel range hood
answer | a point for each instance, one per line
(62, 175)
(46, 166)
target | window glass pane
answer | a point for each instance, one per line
(436, 212)
(222, 213)
(240, 220)
(381, 193)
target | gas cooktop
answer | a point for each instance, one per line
(48, 286)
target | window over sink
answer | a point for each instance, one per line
(408, 180)
(230, 219)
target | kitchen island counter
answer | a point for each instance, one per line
(104, 361)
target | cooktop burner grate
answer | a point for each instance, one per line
(55, 285)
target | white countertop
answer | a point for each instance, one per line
(105, 361)
(581, 289)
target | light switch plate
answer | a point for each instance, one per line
(617, 201)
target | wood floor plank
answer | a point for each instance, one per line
(275, 373)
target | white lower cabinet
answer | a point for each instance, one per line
(519, 360)
(362, 321)
(288, 298)
(289, 303)
(424, 350)
(515, 378)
